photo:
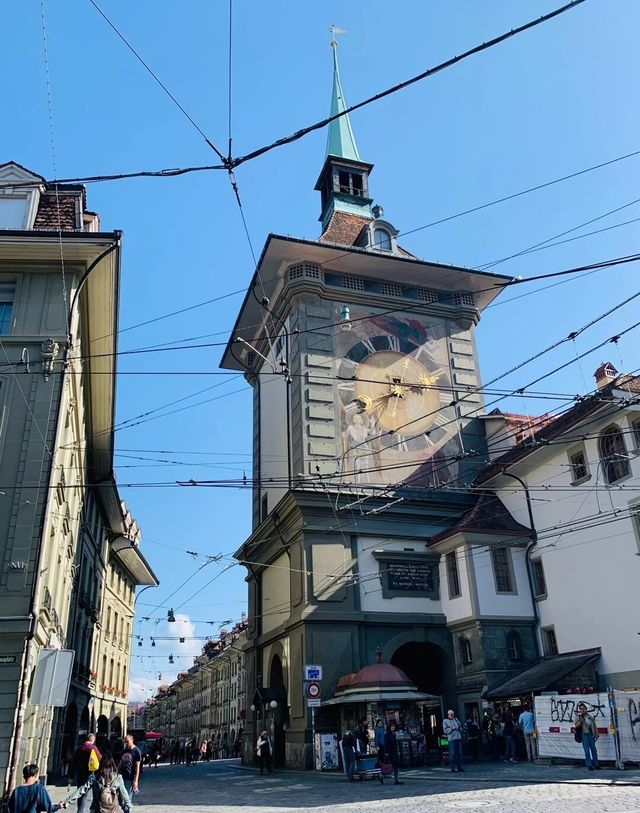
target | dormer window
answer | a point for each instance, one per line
(19, 196)
(382, 239)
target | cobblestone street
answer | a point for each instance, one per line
(225, 787)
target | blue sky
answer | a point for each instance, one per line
(549, 102)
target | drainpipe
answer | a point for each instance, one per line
(533, 536)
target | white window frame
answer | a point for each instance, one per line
(512, 577)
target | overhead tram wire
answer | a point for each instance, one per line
(519, 390)
(157, 79)
(54, 164)
(608, 263)
(226, 164)
(173, 313)
(402, 85)
(163, 345)
(544, 243)
(230, 75)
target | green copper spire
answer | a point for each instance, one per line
(340, 140)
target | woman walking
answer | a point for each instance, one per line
(391, 753)
(587, 731)
(109, 792)
(265, 751)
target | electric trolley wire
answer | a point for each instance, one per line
(157, 79)
(235, 162)
(548, 243)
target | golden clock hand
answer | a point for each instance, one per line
(367, 401)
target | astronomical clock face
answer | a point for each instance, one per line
(396, 424)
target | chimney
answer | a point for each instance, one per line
(605, 374)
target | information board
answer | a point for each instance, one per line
(410, 576)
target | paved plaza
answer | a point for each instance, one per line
(226, 787)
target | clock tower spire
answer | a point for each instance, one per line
(344, 181)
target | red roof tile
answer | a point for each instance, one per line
(557, 427)
(47, 214)
(343, 228)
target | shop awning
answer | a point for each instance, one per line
(544, 675)
(379, 697)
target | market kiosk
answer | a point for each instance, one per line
(383, 692)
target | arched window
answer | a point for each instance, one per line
(613, 455)
(382, 239)
(514, 646)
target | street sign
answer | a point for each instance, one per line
(313, 690)
(52, 677)
(313, 702)
(312, 672)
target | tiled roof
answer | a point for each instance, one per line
(488, 516)
(47, 214)
(555, 428)
(343, 228)
(545, 674)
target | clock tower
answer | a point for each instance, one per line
(367, 393)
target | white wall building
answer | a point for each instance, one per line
(581, 475)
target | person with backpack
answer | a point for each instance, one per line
(109, 792)
(32, 796)
(348, 744)
(129, 768)
(264, 751)
(86, 761)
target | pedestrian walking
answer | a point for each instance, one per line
(85, 762)
(31, 796)
(109, 791)
(203, 751)
(508, 728)
(349, 753)
(129, 768)
(362, 735)
(489, 733)
(379, 739)
(452, 730)
(587, 734)
(474, 736)
(392, 752)
(265, 751)
(527, 724)
(498, 741)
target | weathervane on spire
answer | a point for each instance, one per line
(335, 30)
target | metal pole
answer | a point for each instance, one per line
(313, 737)
(46, 715)
(533, 536)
